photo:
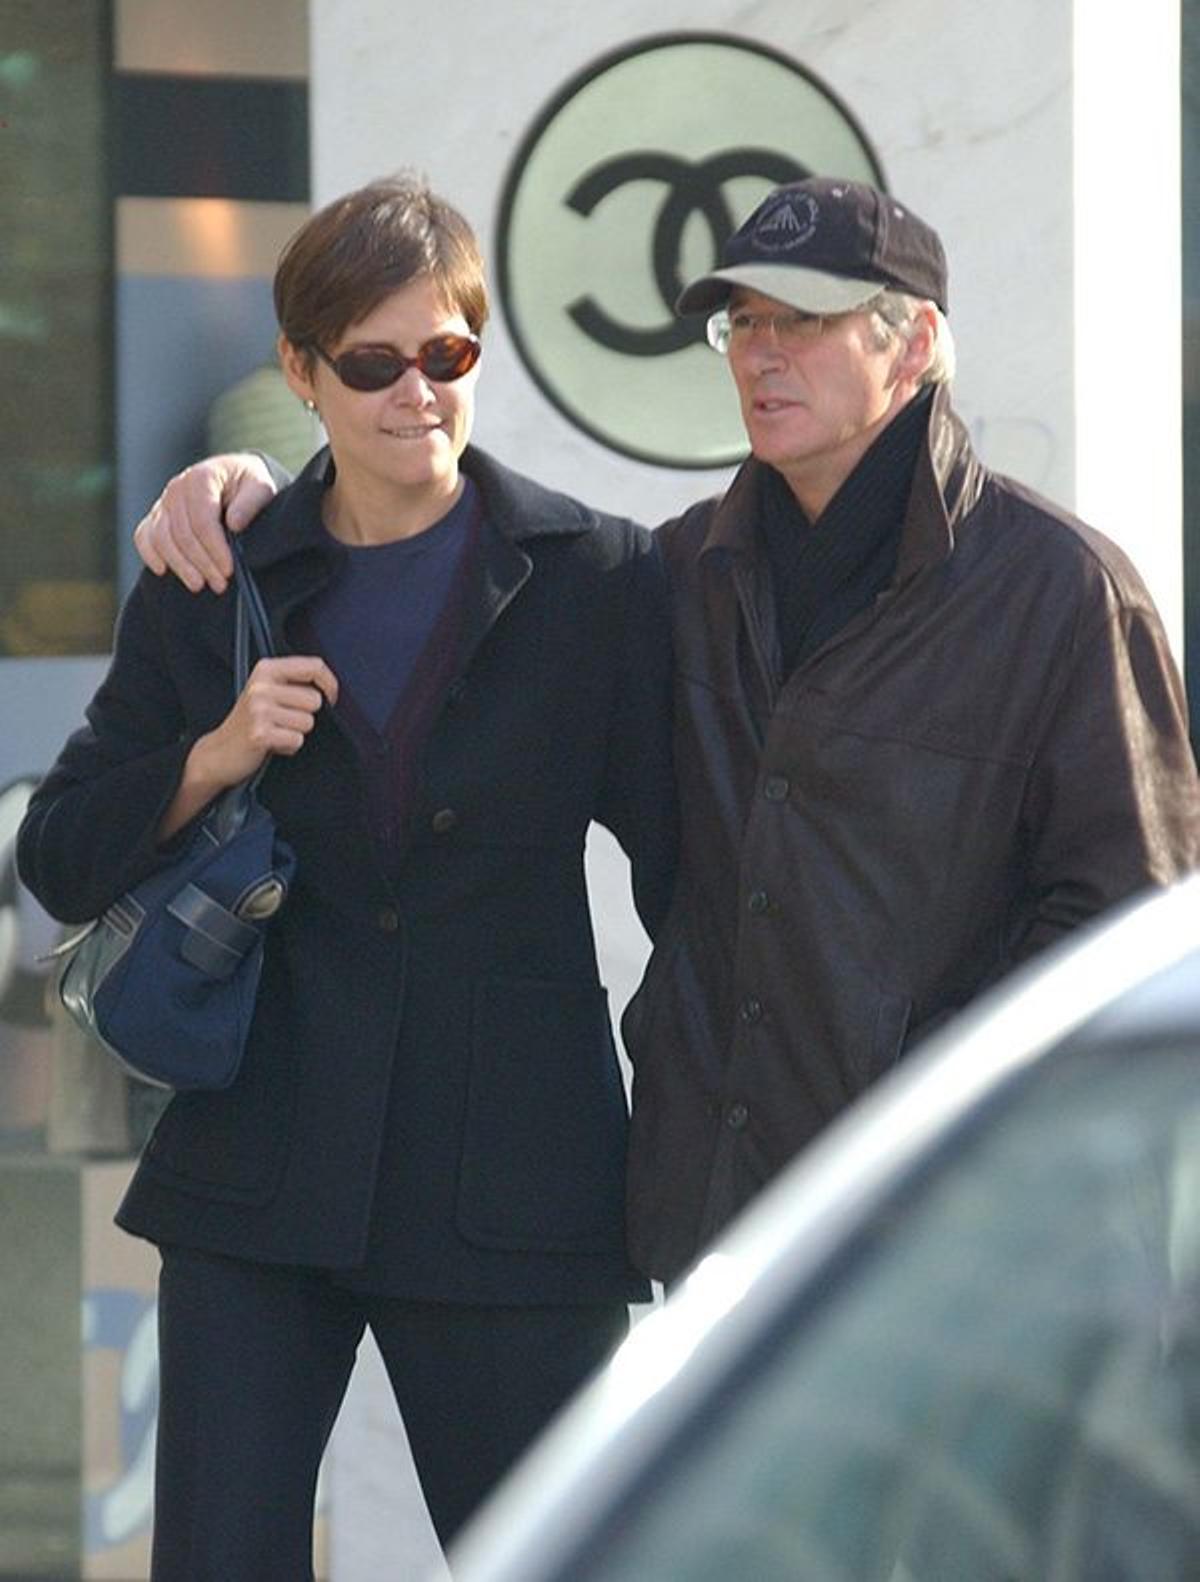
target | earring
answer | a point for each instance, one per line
(311, 406)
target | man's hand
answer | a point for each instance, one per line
(183, 532)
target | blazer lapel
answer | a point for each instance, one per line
(502, 569)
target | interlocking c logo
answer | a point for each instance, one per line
(694, 188)
(627, 187)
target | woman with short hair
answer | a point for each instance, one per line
(427, 1136)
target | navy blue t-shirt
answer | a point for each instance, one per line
(389, 626)
(373, 621)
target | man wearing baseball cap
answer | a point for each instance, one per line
(927, 722)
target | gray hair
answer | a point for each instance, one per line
(894, 313)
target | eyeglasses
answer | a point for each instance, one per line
(442, 358)
(738, 326)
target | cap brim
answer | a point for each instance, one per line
(810, 290)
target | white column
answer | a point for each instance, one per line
(1127, 289)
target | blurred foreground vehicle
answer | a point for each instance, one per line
(959, 1341)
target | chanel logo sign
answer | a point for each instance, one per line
(627, 187)
(693, 189)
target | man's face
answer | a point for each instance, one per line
(812, 406)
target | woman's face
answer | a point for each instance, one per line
(410, 435)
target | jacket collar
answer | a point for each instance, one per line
(290, 547)
(520, 508)
(515, 511)
(946, 483)
(287, 546)
(516, 506)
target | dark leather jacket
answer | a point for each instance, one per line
(989, 755)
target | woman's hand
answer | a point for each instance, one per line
(275, 712)
(183, 531)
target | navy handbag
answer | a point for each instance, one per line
(166, 979)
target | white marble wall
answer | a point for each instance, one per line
(973, 109)
(968, 105)
(981, 124)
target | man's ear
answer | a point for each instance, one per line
(917, 347)
(297, 369)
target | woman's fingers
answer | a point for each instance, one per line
(275, 713)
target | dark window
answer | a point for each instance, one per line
(56, 476)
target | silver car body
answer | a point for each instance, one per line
(575, 1506)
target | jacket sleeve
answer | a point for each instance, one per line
(638, 800)
(1112, 806)
(280, 476)
(89, 832)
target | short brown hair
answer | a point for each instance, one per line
(356, 251)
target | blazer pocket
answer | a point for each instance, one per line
(230, 1146)
(543, 1148)
(220, 1146)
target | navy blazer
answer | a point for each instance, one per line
(430, 1100)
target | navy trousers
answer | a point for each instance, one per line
(254, 1361)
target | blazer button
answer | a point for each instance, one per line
(736, 1116)
(443, 821)
(751, 1010)
(776, 788)
(759, 902)
(388, 919)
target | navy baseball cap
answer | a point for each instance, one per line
(825, 245)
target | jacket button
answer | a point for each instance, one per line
(454, 692)
(388, 919)
(443, 821)
(776, 788)
(750, 1009)
(736, 1116)
(759, 902)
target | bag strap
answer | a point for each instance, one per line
(250, 625)
(250, 619)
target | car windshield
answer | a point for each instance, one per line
(1000, 1380)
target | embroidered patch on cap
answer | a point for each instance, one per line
(787, 223)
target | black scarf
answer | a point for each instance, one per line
(824, 573)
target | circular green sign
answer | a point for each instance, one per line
(625, 188)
